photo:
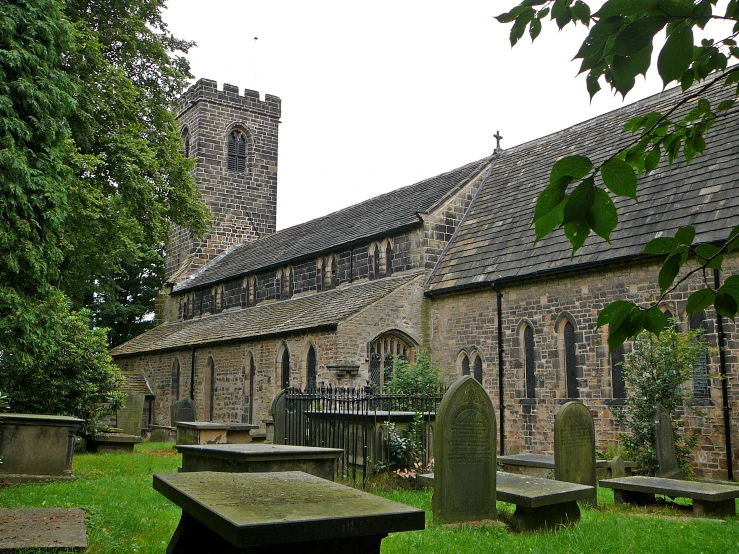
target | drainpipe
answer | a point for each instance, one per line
(724, 382)
(501, 352)
(192, 376)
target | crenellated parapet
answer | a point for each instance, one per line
(207, 89)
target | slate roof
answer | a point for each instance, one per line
(135, 382)
(314, 311)
(495, 242)
(377, 216)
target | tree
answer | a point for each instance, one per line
(655, 370)
(617, 49)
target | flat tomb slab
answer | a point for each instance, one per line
(259, 451)
(42, 528)
(711, 492)
(544, 461)
(534, 492)
(252, 509)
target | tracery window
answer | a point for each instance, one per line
(383, 352)
(529, 361)
(237, 151)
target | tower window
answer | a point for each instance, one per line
(186, 139)
(237, 151)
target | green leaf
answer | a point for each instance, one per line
(626, 7)
(577, 232)
(581, 12)
(620, 178)
(594, 43)
(626, 68)
(660, 246)
(579, 202)
(652, 159)
(511, 16)
(551, 197)
(637, 35)
(549, 221)
(706, 251)
(603, 216)
(700, 300)
(613, 309)
(732, 280)
(686, 81)
(668, 272)
(725, 305)
(534, 29)
(685, 235)
(676, 55)
(570, 168)
(677, 8)
(655, 320)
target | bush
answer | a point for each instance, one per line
(64, 369)
(420, 376)
(655, 369)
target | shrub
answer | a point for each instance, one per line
(421, 375)
(655, 369)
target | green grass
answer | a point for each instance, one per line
(125, 515)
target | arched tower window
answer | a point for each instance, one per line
(700, 381)
(285, 369)
(311, 368)
(529, 361)
(176, 379)
(465, 365)
(477, 368)
(617, 377)
(570, 352)
(383, 352)
(186, 141)
(237, 151)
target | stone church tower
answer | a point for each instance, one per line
(233, 139)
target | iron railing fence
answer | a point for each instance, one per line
(362, 422)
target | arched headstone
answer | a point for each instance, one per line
(665, 445)
(277, 411)
(574, 446)
(182, 410)
(464, 455)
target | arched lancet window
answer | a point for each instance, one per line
(328, 272)
(383, 352)
(249, 386)
(176, 379)
(319, 275)
(700, 381)
(477, 368)
(529, 361)
(186, 141)
(617, 377)
(237, 151)
(388, 259)
(568, 335)
(465, 365)
(285, 369)
(210, 379)
(334, 271)
(311, 368)
(288, 286)
(670, 319)
(374, 261)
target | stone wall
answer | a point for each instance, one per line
(243, 204)
(469, 321)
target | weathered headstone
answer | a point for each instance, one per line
(182, 410)
(618, 468)
(464, 455)
(665, 445)
(574, 446)
(277, 411)
(129, 418)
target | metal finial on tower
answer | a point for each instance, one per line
(497, 136)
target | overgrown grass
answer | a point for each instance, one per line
(125, 515)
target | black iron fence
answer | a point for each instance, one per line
(376, 431)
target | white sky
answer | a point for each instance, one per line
(380, 95)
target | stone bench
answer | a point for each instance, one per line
(708, 498)
(540, 503)
(272, 513)
(114, 443)
(260, 458)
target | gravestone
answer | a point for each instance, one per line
(618, 468)
(277, 411)
(574, 447)
(665, 445)
(129, 418)
(464, 455)
(182, 410)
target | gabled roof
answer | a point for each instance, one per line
(377, 216)
(495, 243)
(135, 382)
(315, 311)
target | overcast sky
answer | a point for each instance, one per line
(379, 95)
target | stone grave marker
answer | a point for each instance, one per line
(277, 411)
(182, 410)
(665, 445)
(464, 455)
(574, 446)
(618, 467)
(129, 418)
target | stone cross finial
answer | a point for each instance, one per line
(497, 138)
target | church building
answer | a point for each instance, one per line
(448, 265)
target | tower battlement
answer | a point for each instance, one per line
(207, 89)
